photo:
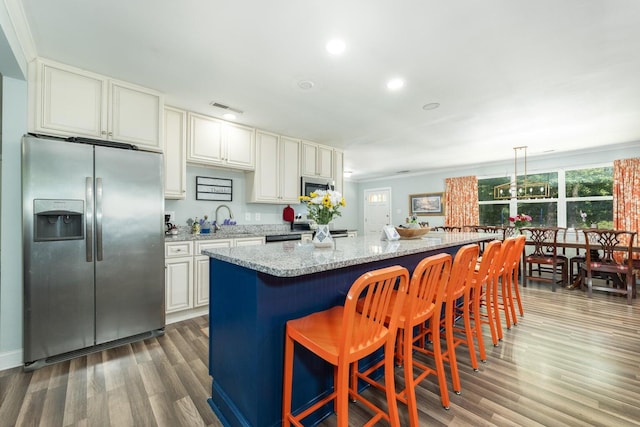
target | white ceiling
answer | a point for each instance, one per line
(550, 74)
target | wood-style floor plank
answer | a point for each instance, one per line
(570, 361)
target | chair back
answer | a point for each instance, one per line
(516, 257)
(504, 256)
(508, 231)
(448, 228)
(490, 257)
(611, 243)
(373, 294)
(462, 270)
(544, 239)
(428, 282)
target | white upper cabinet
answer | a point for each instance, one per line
(338, 170)
(67, 101)
(218, 143)
(316, 160)
(277, 175)
(175, 150)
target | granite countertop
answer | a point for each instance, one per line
(290, 259)
(234, 232)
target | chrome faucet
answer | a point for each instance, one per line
(216, 224)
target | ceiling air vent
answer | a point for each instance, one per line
(225, 107)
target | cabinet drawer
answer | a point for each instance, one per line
(212, 244)
(177, 249)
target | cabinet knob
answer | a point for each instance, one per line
(103, 132)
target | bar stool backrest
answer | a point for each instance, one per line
(372, 293)
(462, 271)
(428, 282)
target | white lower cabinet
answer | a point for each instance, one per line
(201, 267)
(249, 241)
(178, 276)
(187, 274)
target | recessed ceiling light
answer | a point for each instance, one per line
(395, 83)
(229, 116)
(306, 84)
(430, 106)
(336, 46)
(347, 174)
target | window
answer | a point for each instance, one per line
(574, 194)
(589, 195)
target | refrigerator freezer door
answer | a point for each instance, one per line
(129, 243)
(58, 281)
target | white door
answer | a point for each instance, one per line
(377, 210)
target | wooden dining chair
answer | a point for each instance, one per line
(342, 336)
(448, 228)
(545, 252)
(422, 307)
(614, 262)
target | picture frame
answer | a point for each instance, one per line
(214, 189)
(426, 204)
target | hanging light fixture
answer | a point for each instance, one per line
(521, 189)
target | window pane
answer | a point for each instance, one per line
(485, 188)
(494, 214)
(599, 212)
(542, 214)
(589, 182)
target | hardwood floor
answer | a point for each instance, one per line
(570, 361)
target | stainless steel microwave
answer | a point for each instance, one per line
(309, 185)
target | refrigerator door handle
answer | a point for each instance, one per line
(98, 219)
(89, 217)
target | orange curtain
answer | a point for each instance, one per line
(626, 194)
(461, 201)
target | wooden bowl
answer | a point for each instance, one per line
(412, 233)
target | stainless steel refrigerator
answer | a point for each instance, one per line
(93, 230)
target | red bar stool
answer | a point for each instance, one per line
(342, 336)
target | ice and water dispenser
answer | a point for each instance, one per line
(58, 219)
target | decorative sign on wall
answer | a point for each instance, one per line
(217, 189)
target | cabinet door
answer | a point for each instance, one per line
(205, 140)
(201, 268)
(178, 283)
(338, 170)
(308, 159)
(135, 115)
(266, 175)
(325, 162)
(249, 241)
(289, 170)
(70, 102)
(239, 146)
(175, 132)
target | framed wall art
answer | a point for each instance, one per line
(216, 189)
(426, 204)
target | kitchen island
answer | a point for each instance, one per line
(255, 290)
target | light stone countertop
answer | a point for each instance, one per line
(291, 259)
(234, 232)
